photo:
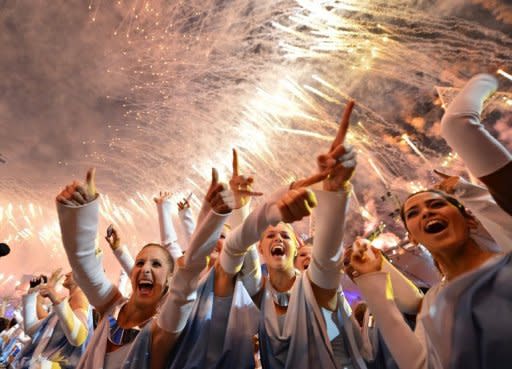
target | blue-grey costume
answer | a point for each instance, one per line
(303, 342)
(56, 346)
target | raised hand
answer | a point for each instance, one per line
(184, 204)
(48, 289)
(362, 258)
(240, 185)
(216, 195)
(296, 204)
(328, 162)
(76, 194)
(36, 281)
(113, 238)
(342, 171)
(163, 197)
(448, 183)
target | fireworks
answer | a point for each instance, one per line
(194, 79)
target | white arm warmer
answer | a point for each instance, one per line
(461, 128)
(124, 258)
(79, 226)
(176, 309)
(30, 321)
(124, 285)
(407, 296)
(250, 274)
(187, 222)
(325, 268)
(408, 349)
(168, 236)
(238, 216)
(251, 271)
(480, 202)
(205, 209)
(240, 239)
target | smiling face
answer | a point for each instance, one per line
(436, 223)
(278, 246)
(149, 275)
(303, 257)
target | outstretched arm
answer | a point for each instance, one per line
(325, 268)
(73, 317)
(168, 237)
(177, 307)
(78, 210)
(121, 252)
(72, 314)
(339, 165)
(30, 320)
(186, 218)
(484, 156)
(408, 348)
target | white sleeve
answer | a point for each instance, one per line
(124, 285)
(241, 238)
(30, 321)
(250, 273)
(326, 264)
(79, 226)
(480, 202)
(462, 129)
(178, 305)
(407, 296)
(187, 222)
(124, 258)
(238, 216)
(168, 236)
(409, 349)
(205, 209)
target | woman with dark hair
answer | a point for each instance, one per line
(456, 327)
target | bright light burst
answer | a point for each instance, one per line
(270, 78)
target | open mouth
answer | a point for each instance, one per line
(435, 226)
(277, 250)
(145, 287)
(306, 264)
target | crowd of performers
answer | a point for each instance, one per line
(214, 306)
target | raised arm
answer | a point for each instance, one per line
(177, 307)
(186, 219)
(326, 264)
(78, 210)
(73, 316)
(485, 157)
(409, 349)
(72, 312)
(120, 251)
(168, 237)
(30, 321)
(250, 274)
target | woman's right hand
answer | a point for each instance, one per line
(214, 195)
(77, 194)
(296, 204)
(113, 238)
(361, 258)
